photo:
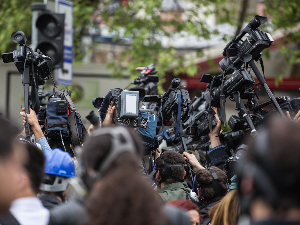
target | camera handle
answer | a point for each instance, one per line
(26, 83)
(262, 80)
(244, 112)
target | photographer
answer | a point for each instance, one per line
(212, 182)
(268, 178)
(170, 175)
(35, 128)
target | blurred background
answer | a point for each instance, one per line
(108, 39)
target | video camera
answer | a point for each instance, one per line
(34, 67)
(127, 101)
(146, 83)
(250, 40)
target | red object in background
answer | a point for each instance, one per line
(286, 84)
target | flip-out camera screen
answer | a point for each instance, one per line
(131, 99)
(129, 103)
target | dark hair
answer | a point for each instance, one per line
(8, 133)
(172, 157)
(281, 165)
(123, 193)
(204, 177)
(34, 166)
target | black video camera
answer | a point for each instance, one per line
(250, 40)
(240, 80)
(127, 107)
(146, 83)
(25, 55)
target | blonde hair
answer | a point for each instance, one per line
(227, 210)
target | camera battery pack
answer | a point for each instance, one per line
(61, 107)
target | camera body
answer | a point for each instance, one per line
(23, 54)
(127, 106)
(240, 81)
(146, 83)
(250, 40)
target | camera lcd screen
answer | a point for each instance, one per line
(131, 100)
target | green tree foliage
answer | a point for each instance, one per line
(285, 16)
(146, 24)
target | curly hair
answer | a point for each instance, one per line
(122, 195)
(172, 157)
(204, 177)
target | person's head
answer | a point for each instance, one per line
(227, 211)
(112, 156)
(59, 167)
(269, 176)
(10, 164)
(170, 169)
(212, 182)
(33, 171)
(191, 208)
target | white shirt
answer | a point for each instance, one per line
(30, 211)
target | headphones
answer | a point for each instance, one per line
(117, 146)
(215, 184)
(166, 168)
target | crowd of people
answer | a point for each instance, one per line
(105, 180)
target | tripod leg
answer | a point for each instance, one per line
(262, 80)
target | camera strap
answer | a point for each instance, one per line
(72, 119)
(262, 66)
(210, 111)
(222, 102)
(35, 102)
(178, 120)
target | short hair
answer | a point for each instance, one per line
(34, 166)
(204, 177)
(8, 133)
(172, 157)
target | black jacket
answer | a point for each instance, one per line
(49, 202)
(204, 210)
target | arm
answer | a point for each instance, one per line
(193, 161)
(36, 129)
(217, 154)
